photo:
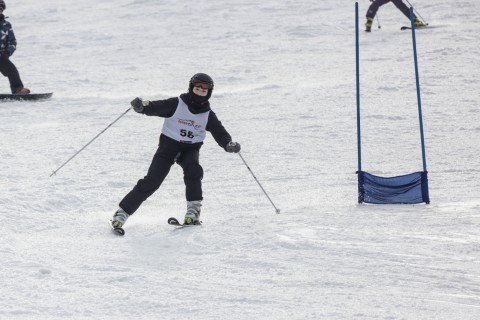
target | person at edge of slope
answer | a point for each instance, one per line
(8, 45)
(372, 11)
(187, 118)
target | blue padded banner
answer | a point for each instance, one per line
(406, 189)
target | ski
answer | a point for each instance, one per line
(116, 230)
(410, 28)
(176, 223)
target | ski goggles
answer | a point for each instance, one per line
(202, 85)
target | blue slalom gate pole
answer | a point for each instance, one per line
(358, 88)
(418, 89)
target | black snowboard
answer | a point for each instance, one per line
(29, 97)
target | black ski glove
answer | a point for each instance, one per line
(139, 105)
(233, 147)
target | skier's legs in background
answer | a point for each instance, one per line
(406, 11)
(372, 10)
(402, 7)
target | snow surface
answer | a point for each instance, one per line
(285, 89)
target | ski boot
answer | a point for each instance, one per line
(119, 218)
(193, 212)
(368, 25)
(21, 90)
(418, 23)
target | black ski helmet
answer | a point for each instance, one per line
(3, 5)
(203, 78)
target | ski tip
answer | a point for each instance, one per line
(173, 221)
(119, 231)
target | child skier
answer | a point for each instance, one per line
(372, 11)
(187, 118)
(8, 45)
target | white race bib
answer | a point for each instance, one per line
(185, 126)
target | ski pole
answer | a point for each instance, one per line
(418, 14)
(55, 171)
(378, 22)
(276, 210)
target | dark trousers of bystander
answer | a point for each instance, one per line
(8, 69)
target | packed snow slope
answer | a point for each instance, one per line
(284, 76)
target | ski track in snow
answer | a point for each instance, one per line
(285, 81)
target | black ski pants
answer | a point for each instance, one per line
(372, 10)
(8, 69)
(168, 152)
